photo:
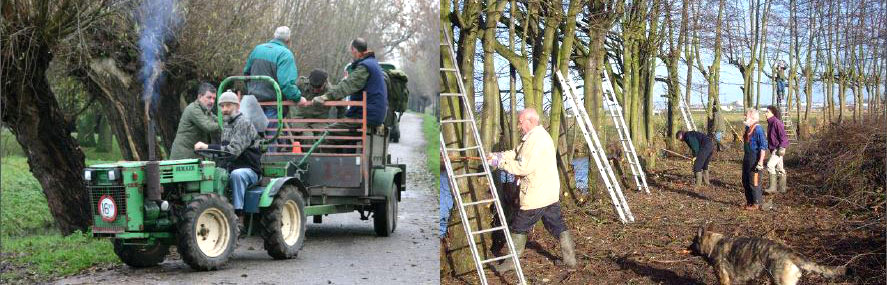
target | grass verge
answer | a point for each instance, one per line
(39, 258)
(431, 130)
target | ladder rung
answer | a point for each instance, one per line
(496, 259)
(448, 69)
(478, 202)
(499, 228)
(463, 149)
(454, 121)
(469, 174)
(450, 94)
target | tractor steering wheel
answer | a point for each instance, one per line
(214, 154)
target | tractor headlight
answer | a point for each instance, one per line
(112, 175)
(87, 175)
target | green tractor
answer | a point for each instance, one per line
(146, 206)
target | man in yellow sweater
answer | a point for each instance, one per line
(534, 162)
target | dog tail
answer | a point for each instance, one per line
(827, 271)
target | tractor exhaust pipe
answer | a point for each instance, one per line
(152, 181)
(152, 169)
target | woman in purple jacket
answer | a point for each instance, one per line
(777, 141)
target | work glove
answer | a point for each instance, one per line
(780, 151)
(693, 159)
(759, 167)
(319, 100)
(494, 159)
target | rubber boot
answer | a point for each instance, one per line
(772, 188)
(698, 178)
(519, 240)
(705, 178)
(781, 180)
(568, 251)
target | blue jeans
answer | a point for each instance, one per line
(446, 203)
(239, 180)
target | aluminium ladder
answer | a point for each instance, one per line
(787, 120)
(597, 151)
(640, 178)
(685, 114)
(469, 123)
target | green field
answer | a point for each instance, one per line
(32, 248)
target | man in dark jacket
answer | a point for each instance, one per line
(701, 147)
(777, 141)
(239, 137)
(197, 123)
(365, 75)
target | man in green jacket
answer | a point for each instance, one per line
(197, 124)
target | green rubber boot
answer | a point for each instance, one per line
(520, 240)
(705, 178)
(698, 178)
(772, 188)
(568, 250)
(781, 179)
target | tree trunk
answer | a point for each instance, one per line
(31, 112)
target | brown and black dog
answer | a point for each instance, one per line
(738, 260)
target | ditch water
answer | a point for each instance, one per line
(580, 173)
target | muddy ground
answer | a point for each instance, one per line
(651, 250)
(341, 250)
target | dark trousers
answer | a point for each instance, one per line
(751, 178)
(551, 216)
(703, 157)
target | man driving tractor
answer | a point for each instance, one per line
(239, 137)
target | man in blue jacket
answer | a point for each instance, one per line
(754, 148)
(364, 75)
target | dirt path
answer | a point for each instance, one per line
(342, 250)
(649, 251)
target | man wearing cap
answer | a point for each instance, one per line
(314, 85)
(274, 59)
(197, 123)
(365, 75)
(239, 137)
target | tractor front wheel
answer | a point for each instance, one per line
(140, 255)
(284, 224)
(207, 232)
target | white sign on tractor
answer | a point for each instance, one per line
(107, 208)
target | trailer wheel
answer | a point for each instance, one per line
(385, 215)
(284, 223)
(207, 232)
(140, 255)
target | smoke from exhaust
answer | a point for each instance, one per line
(157, 20)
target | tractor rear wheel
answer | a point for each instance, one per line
(207, 232)
(385, 215)
(284, 223)
(140, 255)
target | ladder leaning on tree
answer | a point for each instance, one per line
(470, 125)
(596, 150)
(640, 178)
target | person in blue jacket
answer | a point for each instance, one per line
(754, 146)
